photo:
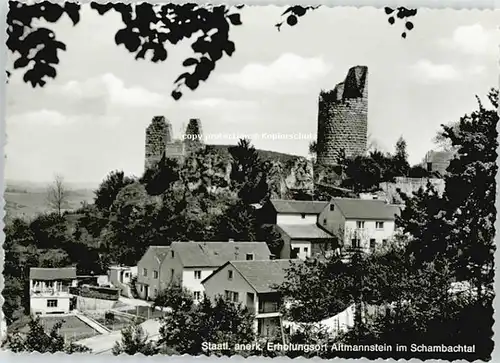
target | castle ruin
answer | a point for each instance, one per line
(342, 124)
(343, 118)
(160, 141)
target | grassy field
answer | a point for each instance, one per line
(29, 203)
(72, 327)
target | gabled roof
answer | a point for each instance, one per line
(159, 251)
(65, 273)
(215, 254)
(261, 275)
(304, 231)
(298, 206)
(366, 209)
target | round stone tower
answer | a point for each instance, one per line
(343, 118)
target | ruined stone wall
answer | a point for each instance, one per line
(193, 138)
(343, 118)
(158, 134)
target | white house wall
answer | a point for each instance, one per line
(191, 283)
(38, 304)
(296, 219)
(368, 232)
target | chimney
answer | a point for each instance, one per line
(236, 248)
(230, 240)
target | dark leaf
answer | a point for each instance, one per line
(176, 95)
(403, 35)
(291, 20)
(21, 62)
(235, 19)
(409, 25)
(388, 10)
(229, 48)
(190, 62)
(299, 10)
(73, 11)
(182, 76)
(101, 8)
(391, 20)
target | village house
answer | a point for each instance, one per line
(50, 290)
(279, 211)
(148, 271)
(305, 240)
(121, 277)
(188, 263)
(361, 223)
(252, 283)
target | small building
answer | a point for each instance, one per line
(363, 223)
(438, 161)
(188, 263)
(50, 290)
(305, 240)
(121, 278)
(281, 211)
(148, 271)
(252, 283)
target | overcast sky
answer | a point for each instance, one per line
(91, 119)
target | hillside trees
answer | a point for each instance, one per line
(109, 188)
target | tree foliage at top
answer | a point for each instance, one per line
(148, 31)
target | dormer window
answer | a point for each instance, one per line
(249, 256)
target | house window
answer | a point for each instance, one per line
(306, 249)
(355, 242)
(227, 294)
(125, 274)
(145, 272)
(52, 303)
(156, 292)
(360, 224)
(249, 256)
(172, 274)
(142, 288)
(303, 216)
(172, 254)
(230, 275)
(236, 296)
(379, 225)
(232, 295)
(332, 207)
(155, 274)
(197, 275)
(197, 295)
(372, 243)
(384, 242)
(324, 221)
(429, 167)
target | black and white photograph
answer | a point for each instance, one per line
(255, 181)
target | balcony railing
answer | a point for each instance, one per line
(269, 307)
(51, 291)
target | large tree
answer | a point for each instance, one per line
(57, 194)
